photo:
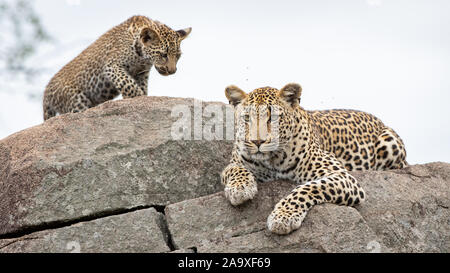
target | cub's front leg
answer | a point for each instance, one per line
(142, 81)
(240, 184)
(124, 82)
(339, 188)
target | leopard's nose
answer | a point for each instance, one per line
(172, 70)
(257, 142)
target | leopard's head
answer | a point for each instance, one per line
(264, 118)
(161, 46)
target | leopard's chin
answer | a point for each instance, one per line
(164, 72)
(260, 156)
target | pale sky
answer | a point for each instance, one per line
(387, 57)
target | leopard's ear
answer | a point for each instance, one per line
(235, 95)
(183, 33)
(291, 93)
(149, 36)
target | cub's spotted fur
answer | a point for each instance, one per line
(117, 63)
(277, 139)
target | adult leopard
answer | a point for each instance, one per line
(278, 139)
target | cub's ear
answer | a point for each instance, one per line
(235, 95)
(149, 36)
(183, 33)
(291, 93)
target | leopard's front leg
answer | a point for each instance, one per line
(123, 82)
(240, 184)
(142, 81)
(340, 188)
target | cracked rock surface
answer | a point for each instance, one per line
(119, 155)
(113, 179)
(138, 231)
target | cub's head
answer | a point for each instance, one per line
(264, 118)
(161, 45)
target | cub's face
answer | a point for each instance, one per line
(162, 47)
(264, 119)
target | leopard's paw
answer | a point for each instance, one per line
(282, 221)
(239, 193)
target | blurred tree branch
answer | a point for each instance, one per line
(22, 33)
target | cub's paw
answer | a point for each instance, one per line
(283, 221)
(239, 193)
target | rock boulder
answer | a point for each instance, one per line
(115, 179)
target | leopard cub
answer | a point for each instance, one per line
(119, 62)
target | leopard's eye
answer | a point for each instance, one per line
(275, 117)
(164, 55)
(246, 117)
